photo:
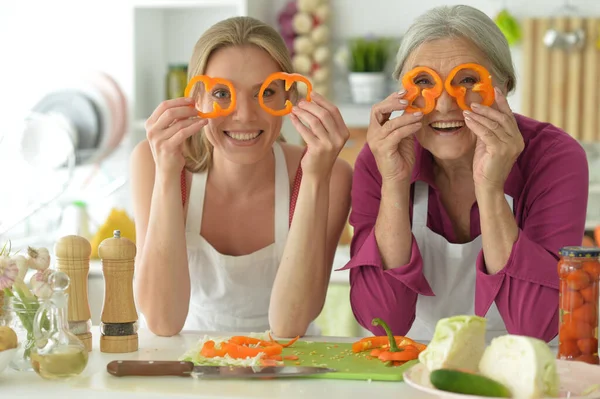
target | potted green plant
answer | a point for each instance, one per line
(367, 61)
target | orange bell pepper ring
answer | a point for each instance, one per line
(289, 79)
(209, 83)
(484, 87)
(414, 91)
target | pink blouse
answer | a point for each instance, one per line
(549, 185)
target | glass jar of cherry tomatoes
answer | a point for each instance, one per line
(579, 273)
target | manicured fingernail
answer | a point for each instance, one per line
(466, 113)
(402, 92)
(475, 105)
(403, 102)
(418, 114)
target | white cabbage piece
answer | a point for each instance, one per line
(458, 343)
(525, 365)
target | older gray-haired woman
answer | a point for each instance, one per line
(461, 209)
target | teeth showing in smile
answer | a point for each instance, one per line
(245, 136)
(448, 125)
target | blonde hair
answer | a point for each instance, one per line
(236, 31)
(466, 22)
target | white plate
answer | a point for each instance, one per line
(5, 358)
(575, 379)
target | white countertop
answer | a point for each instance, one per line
(95, 382)
(96, 279)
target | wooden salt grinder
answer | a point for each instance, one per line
(73, 258)
(118, 310)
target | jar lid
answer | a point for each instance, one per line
(176, 66)
(580, 252)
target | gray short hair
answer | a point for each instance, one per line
(460, 22)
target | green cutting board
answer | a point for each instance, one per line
(349, 365)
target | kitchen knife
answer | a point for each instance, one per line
(122, 368)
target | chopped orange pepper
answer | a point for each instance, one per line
(404, 355)
(414, 91)
(375, 352)
(289, 343)
(209, 350)
(241, 340)
(392, 350)
(208, 84)
(289, 79)
(484, 87)
(383, 343)
(239, 351)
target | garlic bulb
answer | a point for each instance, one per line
(322, 54)
(321, 75)
(302, 63)
(303, 45)
(322, 12)
(320, 34)
(308, 5)
(302, 23)
(40, 285)
(40, 258)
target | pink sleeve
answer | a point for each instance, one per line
(526, 289)
(375, 292)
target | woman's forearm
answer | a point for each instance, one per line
(499, 230)
(392, 228)
(162, 274)
(303, 276)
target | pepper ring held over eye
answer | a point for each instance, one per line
(484, 87)
(208, 84)
(414, 91)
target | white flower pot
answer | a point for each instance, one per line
(367, 87)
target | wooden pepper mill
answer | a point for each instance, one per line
(119, 315)
(73, 258)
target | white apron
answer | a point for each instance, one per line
(232, 293)
(450, 271)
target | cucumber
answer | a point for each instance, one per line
(467, 383)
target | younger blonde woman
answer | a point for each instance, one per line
(218, 249)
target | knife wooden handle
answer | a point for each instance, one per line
(122, 368)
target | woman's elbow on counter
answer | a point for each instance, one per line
(288, 329)
(163, 328)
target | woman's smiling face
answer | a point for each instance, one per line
(247, 134)
(444, 132)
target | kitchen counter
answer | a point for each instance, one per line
(96, 280)
(95, 382)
